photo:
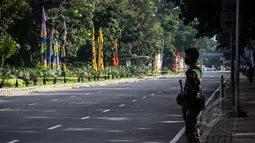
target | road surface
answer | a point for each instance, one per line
(134, 112)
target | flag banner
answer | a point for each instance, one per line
(115, 59)
(55, 50)
(155, 65)
(100, 51)
(43, 39)
(94, 63)
(50, 53)
(63, 50)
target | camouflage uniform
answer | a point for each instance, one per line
(191, 111)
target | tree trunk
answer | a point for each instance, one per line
(79, 79)
(44, 80)
(64, 79)
(35, 82)
(17, 83)
(27, 83)
(2, 83)
(55, 80)
(3, 60)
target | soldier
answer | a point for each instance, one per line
(191, 100)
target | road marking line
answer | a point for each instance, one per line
(152, 94)
(159, 91)
(13, 141)
(84, 118)
(121, 105)
(54, 100)
(87, 93)
(144, 97)
(177, 137)
(72, 96)
(32, 104)
(179, 134)
(54, 127)
(134, 100)
(165, 90)
(106, 111)
(171, 122)
(4, 109)
(99, 91)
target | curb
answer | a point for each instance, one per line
(66, 87)
(63, 87)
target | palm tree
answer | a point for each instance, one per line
(34, 75)
(7, 48)
(5, 73)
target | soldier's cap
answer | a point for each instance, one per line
(193, 52)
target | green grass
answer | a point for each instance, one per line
(10, 83)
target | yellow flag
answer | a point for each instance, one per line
(101, 35)
(99, 54)
(155, 63)
(100, 51)
(94, 63)
(101, 48)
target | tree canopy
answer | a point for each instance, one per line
(142, 27)
(207, 12)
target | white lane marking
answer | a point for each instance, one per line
(4, 109)
(13, 141)
(106, 110)
(72, 96)
(54, 127)
(165, 89)
(84, 118)
(87, 93)
(159, 91)
(179, 134)
(144, 97)
(121, 105)
(172, 122)
(99, 91)
(54, 100)
(32, 104)
(177, 137)
(152, 94)
(134, 100)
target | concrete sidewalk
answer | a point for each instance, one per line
(231, 129)
(61, 87)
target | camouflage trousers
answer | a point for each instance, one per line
(192, 124)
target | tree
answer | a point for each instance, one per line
(206, 45)
(7, 48)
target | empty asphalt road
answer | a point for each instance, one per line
(139, 112)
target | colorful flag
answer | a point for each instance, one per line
(55, 50)
(43, 39)
(115, 59)
(63, 50)
(50, 53)
(94, 62)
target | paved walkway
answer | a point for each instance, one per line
(234, 130)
